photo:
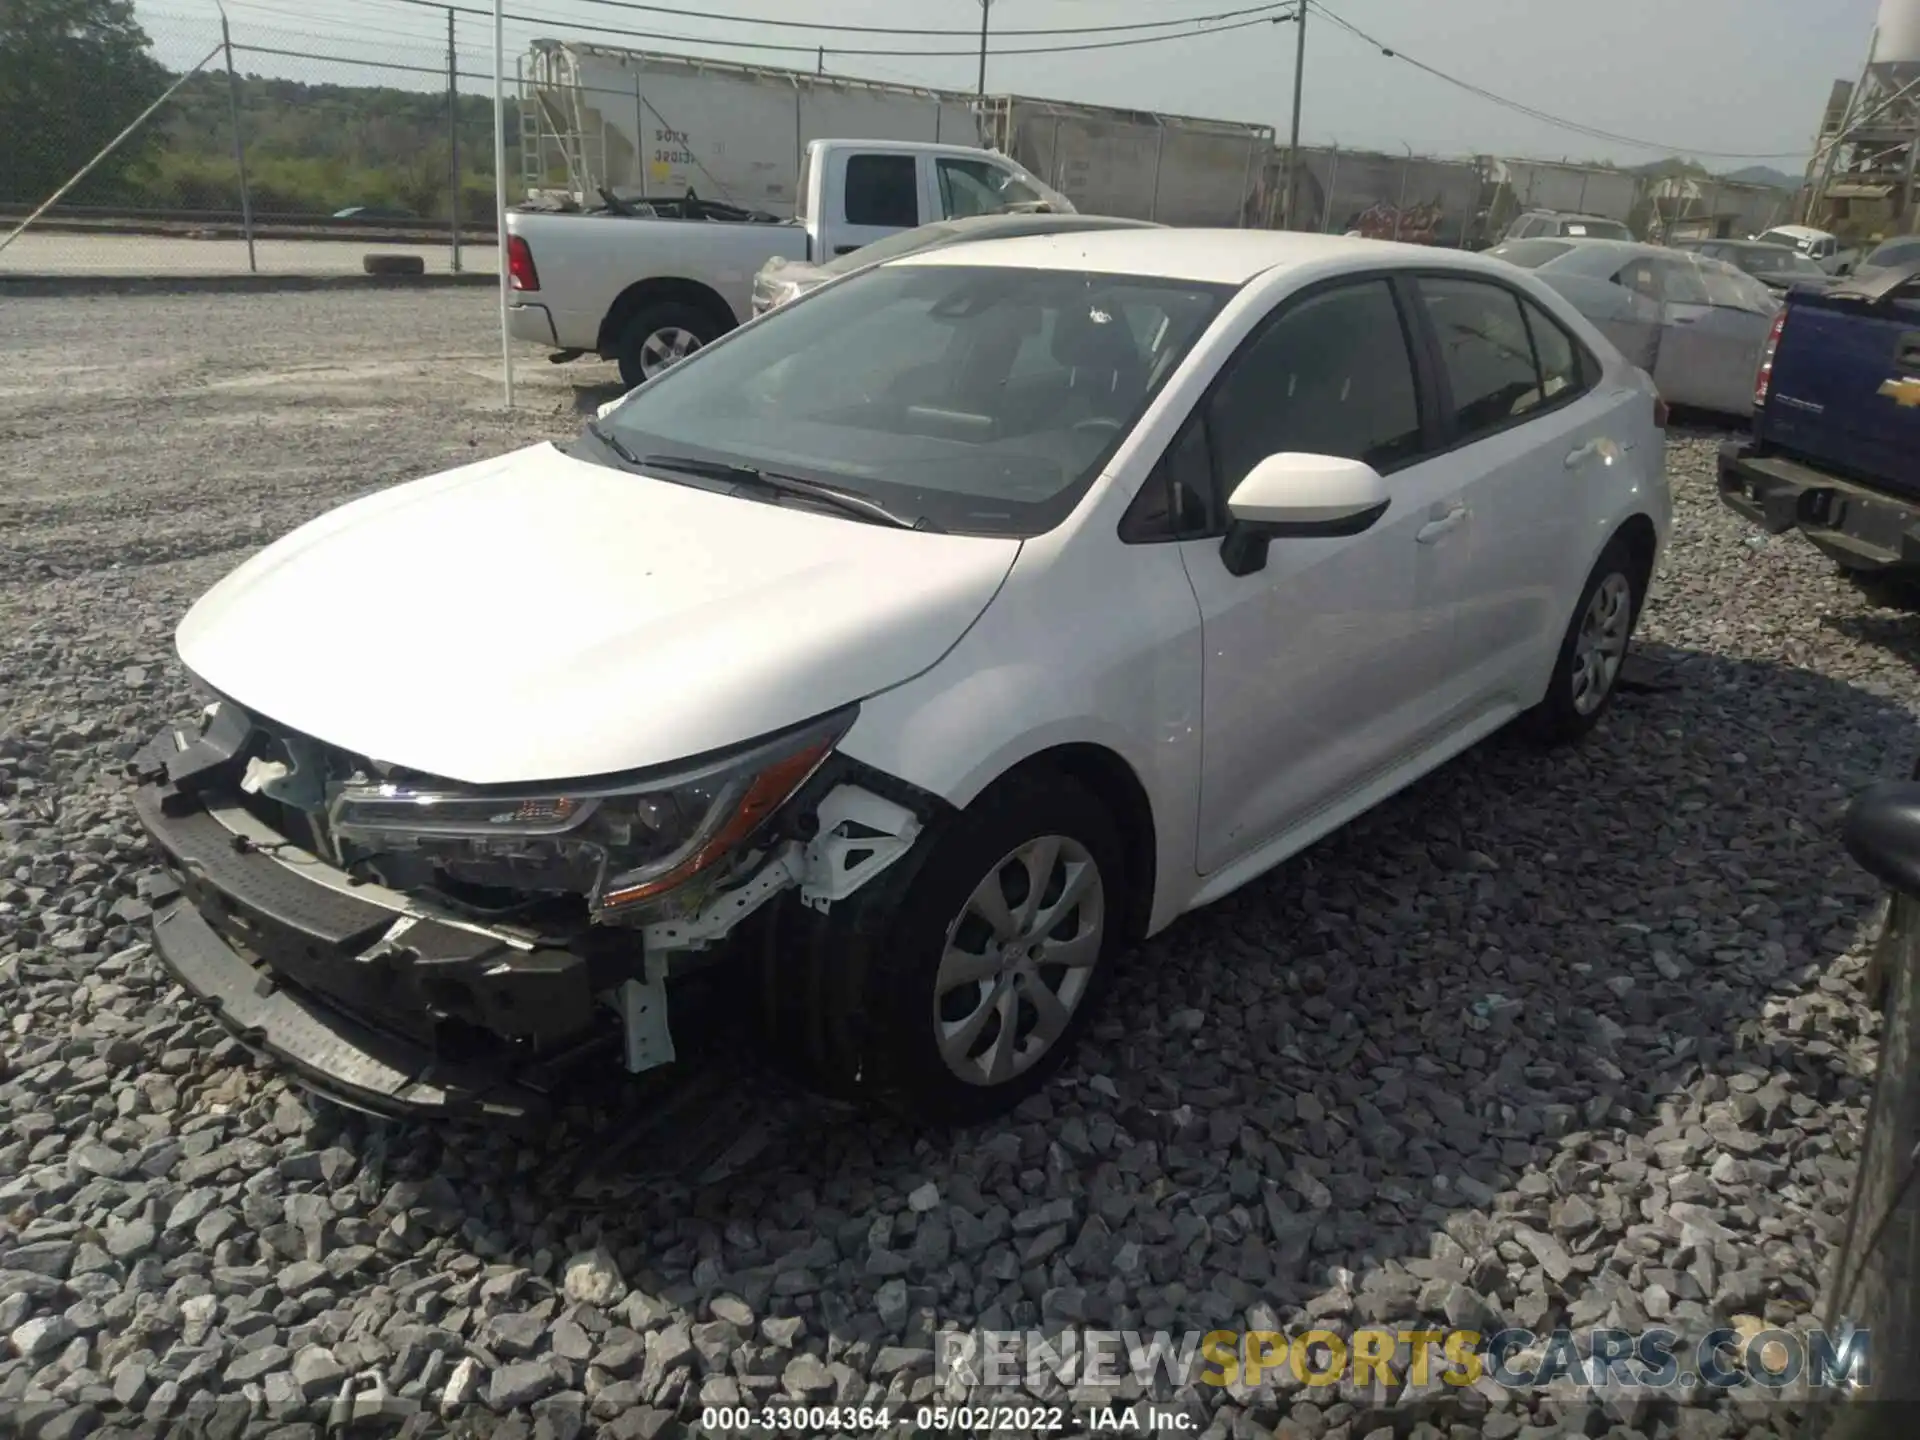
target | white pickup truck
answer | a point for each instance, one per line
(630, 284)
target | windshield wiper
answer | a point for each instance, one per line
(773, 482)
(613, 442)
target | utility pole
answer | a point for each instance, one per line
(1299, 75)
(984, 4)
(453, 143)
(239, 143)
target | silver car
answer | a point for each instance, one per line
(781, 280)
(1696, 324)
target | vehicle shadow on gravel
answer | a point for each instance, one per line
(1533, 1043)
(590, 396)
(1895, 631)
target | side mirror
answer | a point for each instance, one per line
(1882, 833)
(1299, 497)
(602, 411)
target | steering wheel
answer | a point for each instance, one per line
(1096, 423)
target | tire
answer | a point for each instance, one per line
(379, 264)
(1582, 688)
(661, 331)
(852, 1002)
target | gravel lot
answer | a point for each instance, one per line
(1558, 1039)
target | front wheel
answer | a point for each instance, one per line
(1586, 671)
(951, 997)
(659, 337)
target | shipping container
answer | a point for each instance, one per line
(639, 122)
(1411, 198)
(1571, 189)
(1176, 169)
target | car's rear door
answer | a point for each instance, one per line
(1624, 307)
(1527, 424)
(1715, 323)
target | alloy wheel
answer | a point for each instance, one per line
(1018, 960)
(665, 348)
(1601, 645)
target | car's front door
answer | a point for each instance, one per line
(1319, 665)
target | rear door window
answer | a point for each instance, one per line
(1566, 368)
(1641, 277)
(1684, 281)
(1486, 350)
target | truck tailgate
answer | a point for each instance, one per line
(1846, 382)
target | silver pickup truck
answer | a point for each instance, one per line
(646, 283)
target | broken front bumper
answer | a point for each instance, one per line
(1861, 529)
(397, 1007)
(377, 1007)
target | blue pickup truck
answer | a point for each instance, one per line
(1835, 447)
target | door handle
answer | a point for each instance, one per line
(845, 249)
(1434, 529)
(1602, 447)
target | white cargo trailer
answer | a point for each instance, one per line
(640, 122)
(1571, 189)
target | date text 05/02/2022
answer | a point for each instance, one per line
(1138, 1418)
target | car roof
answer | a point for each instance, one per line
(1799, 232)
(1604, 245)
(1218, 257)
(1038, 222)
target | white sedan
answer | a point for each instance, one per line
(1696, 324)
(918, 648)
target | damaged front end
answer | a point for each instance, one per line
(406, 945)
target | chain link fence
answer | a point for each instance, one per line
(265, 149)
(178, 145)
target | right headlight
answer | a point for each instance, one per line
(619, 843)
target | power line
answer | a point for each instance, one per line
(1267, 18)
(1590, 131)
(681, 13)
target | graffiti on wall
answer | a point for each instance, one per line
(1414, 224)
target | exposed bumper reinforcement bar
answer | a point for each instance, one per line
(330, 1052)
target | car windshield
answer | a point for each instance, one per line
(1894, 252)
(983, 399)
(1529, 254)
(1802, 243)
(1791, 263)
(1757, 259)
(1598, 229)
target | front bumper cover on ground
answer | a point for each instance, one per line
(1862, 529)
(386, 1012)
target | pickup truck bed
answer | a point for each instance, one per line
(1835, 449)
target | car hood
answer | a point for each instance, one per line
(538, 617)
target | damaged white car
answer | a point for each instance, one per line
(913, 649)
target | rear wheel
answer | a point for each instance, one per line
(660, 336)
(955, 992)
(1587, 669)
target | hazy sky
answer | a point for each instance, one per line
(1746, 77)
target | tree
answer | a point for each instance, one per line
(73, 73)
